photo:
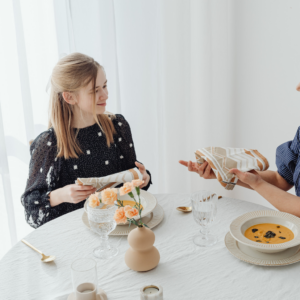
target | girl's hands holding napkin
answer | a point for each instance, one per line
(146, 176)
(72, 193)
(203, 170)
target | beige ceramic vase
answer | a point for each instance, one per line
(142, 255)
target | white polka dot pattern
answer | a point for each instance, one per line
(47, 172)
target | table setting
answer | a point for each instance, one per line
(126, 243)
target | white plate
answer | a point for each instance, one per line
(242, 223)
(148, 202)
(251, 256)
(152, 220)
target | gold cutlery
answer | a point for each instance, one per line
(45, 258)
(187, 209)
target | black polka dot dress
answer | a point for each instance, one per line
(47, 173)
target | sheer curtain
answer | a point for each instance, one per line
(184, 73)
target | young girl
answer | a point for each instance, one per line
(82, 141)
(273, 186)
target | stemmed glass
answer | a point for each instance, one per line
(102, 222)
(204, 205)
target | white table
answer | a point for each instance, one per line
(185, 271)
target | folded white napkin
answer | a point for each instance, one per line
(111, 181)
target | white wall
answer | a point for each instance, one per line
(267, 70)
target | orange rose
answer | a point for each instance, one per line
(120, 216)
(94, 201)
(126, 188)
(109, 196)
(131, 213)
(127, 207)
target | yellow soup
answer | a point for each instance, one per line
(269, 233)
(129, 202)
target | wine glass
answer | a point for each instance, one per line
(102, 222)
(204, 205)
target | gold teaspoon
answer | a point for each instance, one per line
(187, 209)
(45, 258)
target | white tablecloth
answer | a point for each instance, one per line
(185, 271)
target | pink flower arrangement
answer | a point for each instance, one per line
(94, 200)
(109, 196)
(127, 213)
(123, 214)
(126, 188)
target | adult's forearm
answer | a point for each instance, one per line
(268, 176)
(282, 200)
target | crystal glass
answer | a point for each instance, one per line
(204, 205)
(84, 277)
(102, 222)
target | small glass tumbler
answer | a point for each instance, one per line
(102, 222)
(204, 205)
(84, 277)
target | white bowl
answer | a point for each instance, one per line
(242, 223)
(148, 201)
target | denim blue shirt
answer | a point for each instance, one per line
(288, 163)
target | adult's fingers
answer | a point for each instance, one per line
(207, 172)
(183, 162)
(240, 175)
(202, 168)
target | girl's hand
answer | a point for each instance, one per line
(143, 171)
(71, 193)
(251, 178)
(204, 170)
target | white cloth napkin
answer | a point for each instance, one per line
(111, 181)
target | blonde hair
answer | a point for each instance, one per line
(71, 73)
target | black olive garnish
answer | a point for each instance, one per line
(281, 237)
(278, 226)
(254, 230)
(256, 237)
(270, 234)
(259, 241)
(267, 242)
(279, 231)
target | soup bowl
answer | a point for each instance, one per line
(242, 223)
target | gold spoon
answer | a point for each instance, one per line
(45, 258)
(187, 209)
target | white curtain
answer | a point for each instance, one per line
(185, 74)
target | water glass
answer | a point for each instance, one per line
(102, 222)
(204, 204)
(84, 277)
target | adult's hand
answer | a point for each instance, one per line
(204, 170)
(252, 178)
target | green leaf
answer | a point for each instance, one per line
(120, 203)
(146, 225)
(131, 195)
